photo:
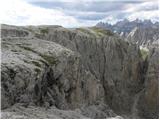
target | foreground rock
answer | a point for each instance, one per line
(35, 112)
(117, 64)
(70, 68)
(44, 72)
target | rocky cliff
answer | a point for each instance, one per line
(148, 103)
(86, 69)
(144, 36)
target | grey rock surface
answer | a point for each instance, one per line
(125, 26)
(143, 33)
(144, 36)
(90, 70)
(148, 103)
(43, 72)
(18, 111)
(117, 64)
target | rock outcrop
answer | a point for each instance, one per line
(117, 64)
(34, 112)
(44, 72)
(144, 36)
(148, 103)
(70, 68)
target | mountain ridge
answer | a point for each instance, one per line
(129, 30)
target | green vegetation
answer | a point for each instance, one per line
(101, 32)
(38, 35)
(44, 31)
(85, 31)
(49, 59)
(144, 53)
(27, 48)
(37, 70)
(36, 63)
(96, 32)
(42, 61)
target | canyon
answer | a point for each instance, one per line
(49, 71)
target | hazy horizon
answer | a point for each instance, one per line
(77, 26)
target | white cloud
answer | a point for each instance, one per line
(19, 12)
(85, 0)
(22, 12)
(148, 6)
(110, 19)
(153, 15)
(145, 10)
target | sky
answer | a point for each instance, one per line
(75, 13)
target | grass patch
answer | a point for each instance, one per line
(49, 59)
(27, 48)
(44, 31)
(102, 32)
(37, 70)
(41, 33)
(42, 61)
(38, 35)
(144, 53)
(36, 63)
(83, 30)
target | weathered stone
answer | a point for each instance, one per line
(149, 100)
(71, 68)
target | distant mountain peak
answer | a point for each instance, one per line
(146, 21)
(126, 26)
(140, 31)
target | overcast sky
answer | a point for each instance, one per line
(75, 13)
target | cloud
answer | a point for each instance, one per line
(144, 15)
(19, 12)
(85, 5)
(82, 6)
(145, 6)
(97, 9)
(75, 13)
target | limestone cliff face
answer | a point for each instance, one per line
(71, 68)
(149, 100)
(117, 64)
(144, 36)
(40, 72)
(45, 73)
